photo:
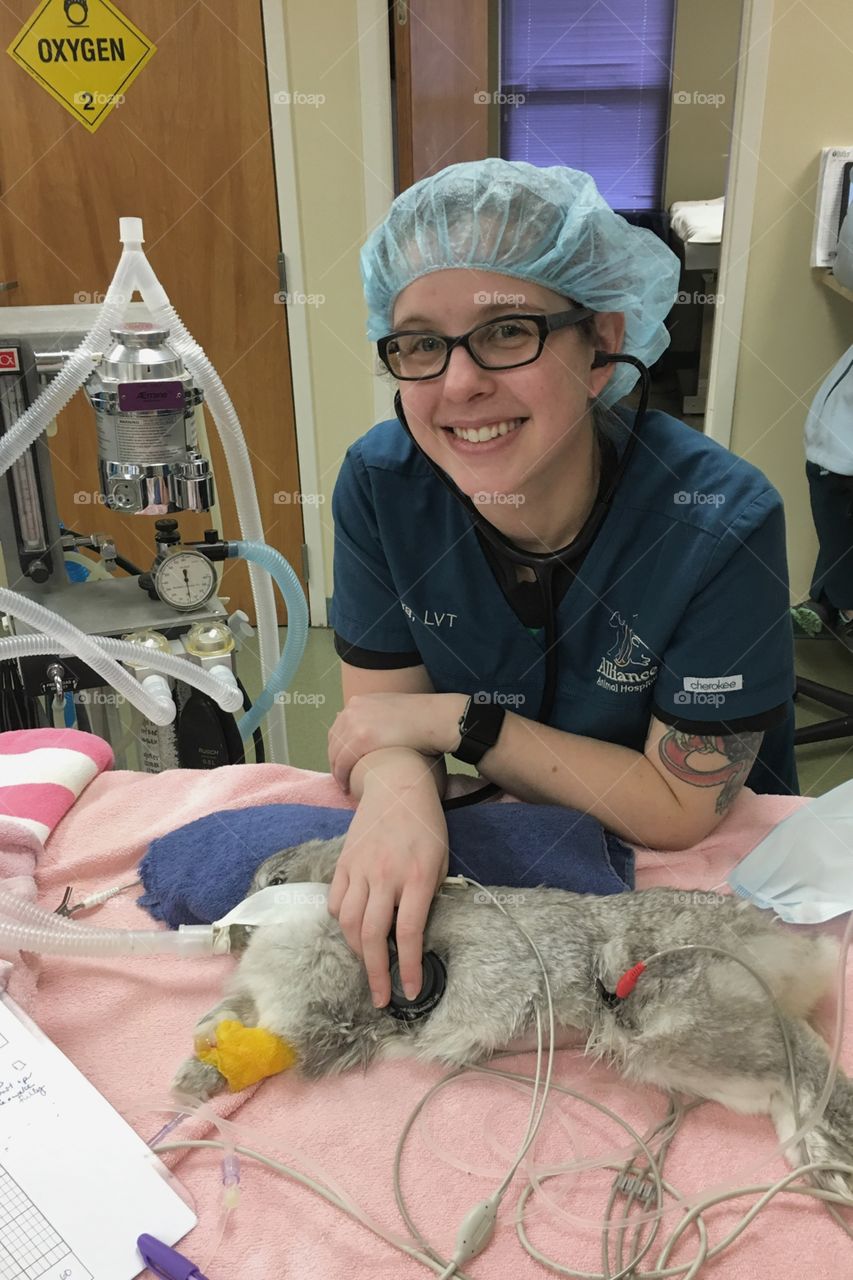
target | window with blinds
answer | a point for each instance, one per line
(587, 84)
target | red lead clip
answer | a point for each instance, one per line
(628, 981)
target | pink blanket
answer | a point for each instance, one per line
(128, 1023)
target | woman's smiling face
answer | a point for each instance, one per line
(538, 413)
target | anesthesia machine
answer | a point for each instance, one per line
(147, 660)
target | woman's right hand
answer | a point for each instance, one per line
(394, 856)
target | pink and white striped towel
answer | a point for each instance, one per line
(42, 772)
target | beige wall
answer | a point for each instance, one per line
(794, 328)
(704, 61)
(329, 49)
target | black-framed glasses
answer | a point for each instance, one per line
(503, 343)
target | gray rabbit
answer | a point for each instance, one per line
(696, 1022)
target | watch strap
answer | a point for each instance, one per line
(479, 727)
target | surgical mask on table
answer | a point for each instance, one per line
(803, 870)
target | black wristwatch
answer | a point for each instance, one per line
(479, 726)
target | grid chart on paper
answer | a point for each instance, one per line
(29, 1246)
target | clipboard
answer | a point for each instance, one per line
(77, 1184)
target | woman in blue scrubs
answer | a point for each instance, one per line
(592, 611)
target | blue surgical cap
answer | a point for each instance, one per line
(549, 226)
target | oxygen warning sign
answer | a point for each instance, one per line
(85, 53)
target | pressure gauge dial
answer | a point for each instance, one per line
(185, 580)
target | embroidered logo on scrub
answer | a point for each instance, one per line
(627, 665)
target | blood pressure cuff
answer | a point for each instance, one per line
(195, 875)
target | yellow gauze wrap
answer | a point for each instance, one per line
(245, 1055)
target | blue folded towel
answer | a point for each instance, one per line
(198, 873)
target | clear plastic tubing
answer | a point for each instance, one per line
(86, 647)
(14, 907)
(290, 587)
(80, 364)
(189, 940)
(25, 926)
(169, 664)
(242, 480)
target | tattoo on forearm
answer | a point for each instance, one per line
(682, 754)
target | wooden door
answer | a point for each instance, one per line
(190, 152)
(442, 84)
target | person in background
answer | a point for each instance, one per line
(829, 470)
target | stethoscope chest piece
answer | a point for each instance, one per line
(434, 983)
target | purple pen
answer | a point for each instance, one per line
(166, 1262)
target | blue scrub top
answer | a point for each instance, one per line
(680, 608)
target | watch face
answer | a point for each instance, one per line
(185, 580)
(479, 729)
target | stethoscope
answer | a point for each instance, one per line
(543, 563)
